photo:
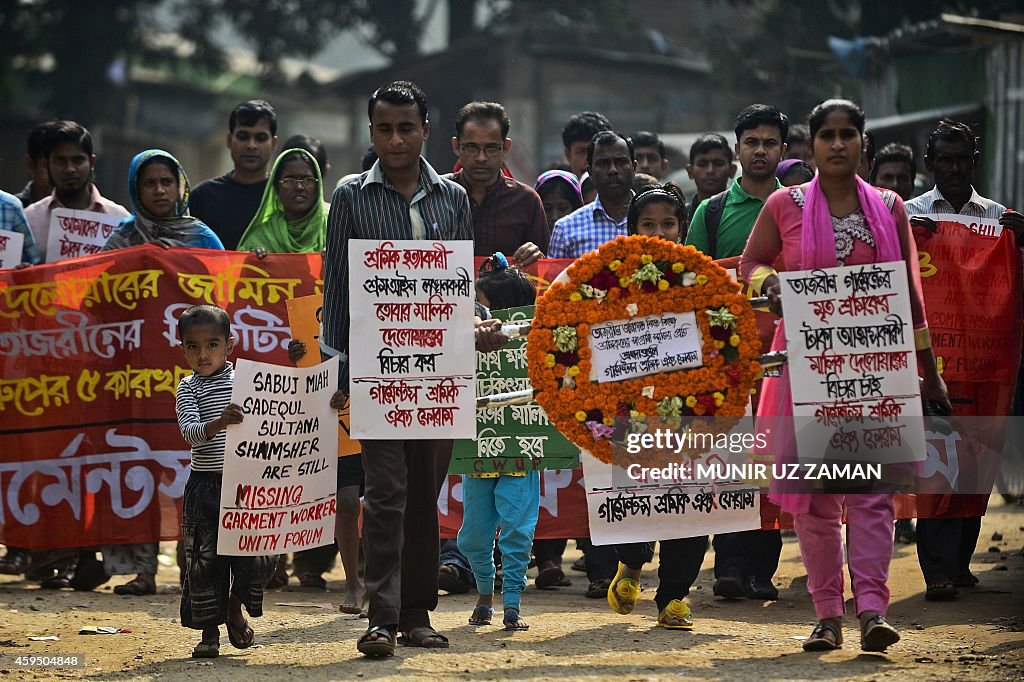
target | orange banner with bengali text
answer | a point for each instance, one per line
(90, 450)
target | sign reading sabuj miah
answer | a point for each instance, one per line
(280, 464)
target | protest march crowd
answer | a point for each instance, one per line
(809, 196)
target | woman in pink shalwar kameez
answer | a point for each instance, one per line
(836, 219)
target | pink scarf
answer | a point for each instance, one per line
(818, 239)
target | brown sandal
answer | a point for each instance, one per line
(240, 636)
(138, 586)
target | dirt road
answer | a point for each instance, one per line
(978, 637)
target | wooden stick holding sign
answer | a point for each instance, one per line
(280, 464)
(304, 320)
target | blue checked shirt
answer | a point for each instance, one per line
(584, 230)
(12, 218)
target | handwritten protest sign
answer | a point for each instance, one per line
(852, 363)
(411, 340)
(280, 463)
(625, 507)
(78, 233)
(514, 437)
(11, 244)
(624, 349)
(304, 319)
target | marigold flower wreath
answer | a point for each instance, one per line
(636, 277)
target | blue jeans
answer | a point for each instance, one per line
(508, 502)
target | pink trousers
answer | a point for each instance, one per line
(869, 519)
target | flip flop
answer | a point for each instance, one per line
(420, 636)
(549, 577)
(623, 592)
(512, 622)
(481, 615)
(373, 646)
(206, 650)
(243, 639)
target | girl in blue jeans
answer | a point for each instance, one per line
(509, 501)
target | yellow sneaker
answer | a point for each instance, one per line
(676, 616)
(623, 592)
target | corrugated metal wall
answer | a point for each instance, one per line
(1005, 103)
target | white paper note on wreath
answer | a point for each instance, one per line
(621, 509)
(78, 233)
(280, 464)
(639, 347)
(411, 344)
(11, 245)
(852, 364)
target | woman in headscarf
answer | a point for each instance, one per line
(159, 192)
(292, 218)
(836, 219)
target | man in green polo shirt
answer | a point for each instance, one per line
(760, 145)
(745, 562)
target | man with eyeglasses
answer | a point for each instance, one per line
(228, 203)
(508, 216)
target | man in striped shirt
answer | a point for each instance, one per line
(946, 545)
(400, 197)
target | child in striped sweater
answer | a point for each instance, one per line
(215, 587)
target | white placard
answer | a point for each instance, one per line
(625, 349)
(624, 508)
(852, 364)
(280, 464)
(78, 233)
(411, 343)
(11, 245)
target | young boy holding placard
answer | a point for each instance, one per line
(215, 587)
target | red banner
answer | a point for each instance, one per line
(90, 450)
(972, 294)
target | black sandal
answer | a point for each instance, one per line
(420, 636)
(373, 645)
(941, 590)
(818, 641)
(877, 635)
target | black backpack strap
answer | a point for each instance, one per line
(712, 219)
